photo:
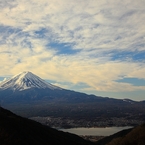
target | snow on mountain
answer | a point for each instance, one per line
(129, 101)
(26, 80)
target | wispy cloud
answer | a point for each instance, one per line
(92, 42)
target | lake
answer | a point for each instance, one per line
(95, 131)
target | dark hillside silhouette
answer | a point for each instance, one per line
(15, 130)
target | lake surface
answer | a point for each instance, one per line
(95, 131)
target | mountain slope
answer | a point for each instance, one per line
(135, 136)
(15, 130)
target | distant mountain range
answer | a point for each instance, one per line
(28, 95)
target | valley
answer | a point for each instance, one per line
(75, 123)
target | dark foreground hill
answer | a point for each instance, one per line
(15, 130)
(134, 136)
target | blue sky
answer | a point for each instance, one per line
(91, 46)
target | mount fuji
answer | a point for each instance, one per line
(26, 80)
(28, 88)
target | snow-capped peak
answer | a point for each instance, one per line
(26, 80)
